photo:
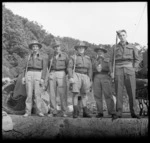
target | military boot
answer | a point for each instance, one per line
(75, 112)
(85, 113)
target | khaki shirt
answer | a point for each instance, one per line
(125, 55)
(105, 64)
(39, 63)
(60, 63)
(83, 64)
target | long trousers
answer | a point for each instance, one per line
(57, 82)
(102, 86)
(128, 80)
(33, 83)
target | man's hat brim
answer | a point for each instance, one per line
(97, 49)
(30, 46)
(76, 47)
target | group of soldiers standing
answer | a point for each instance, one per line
(83, 73)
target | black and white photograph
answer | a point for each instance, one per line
(75, 70)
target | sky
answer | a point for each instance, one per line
(94, 22)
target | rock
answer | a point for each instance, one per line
(58, 127)
(70, 108)
(7, 124)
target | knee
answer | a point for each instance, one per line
(29, 98)
(84, 95)
(97, 96)
(61, 89)
(75, 94)
(109, 96)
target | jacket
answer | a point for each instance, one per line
(105, 64)
(126, 54)
(82, 65)
(61, 63)
(39, 63)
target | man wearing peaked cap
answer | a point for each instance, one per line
(35, 75)
(101, 84)
(80, 74)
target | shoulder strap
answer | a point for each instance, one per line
(27, 64)
(50, 64)
(75, 57)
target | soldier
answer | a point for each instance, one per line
(34, 78)
(126, 62)
(58, 64)
(101, 84)
(80, 74)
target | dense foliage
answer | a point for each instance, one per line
(17, 32)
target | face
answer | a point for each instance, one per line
(57, 49)
(81, 50)
(100, 53)
(122, 36)
(35, 48)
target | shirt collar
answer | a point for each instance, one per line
(79, 54)
(126, 43)
(59, 54)
(38, 54)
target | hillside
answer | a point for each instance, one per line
(17, 32)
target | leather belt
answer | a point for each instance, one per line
(129, 65)
(81, 72)
(34, 69)
(102, 72)
(123, 60)
(58, 70)
(81, 67)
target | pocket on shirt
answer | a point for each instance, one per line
(61, 63)
(39, 62)
(118, 53)
(129, 51)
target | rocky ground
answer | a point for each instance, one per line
(58, 127)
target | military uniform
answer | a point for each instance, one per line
(102, 84)
(126, 59)
(81, 75)
(36, 70)
(57, 80)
